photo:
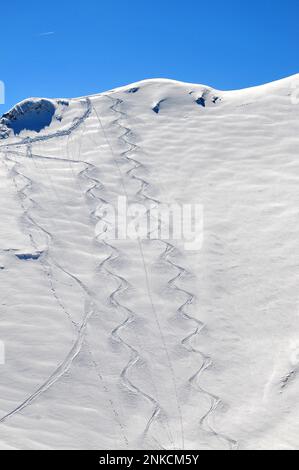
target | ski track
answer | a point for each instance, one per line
(170, 251)
(76, 348)
(123, 285)
(215, 401)
(141, 194)
(66, 364)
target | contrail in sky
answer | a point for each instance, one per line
(48, 33)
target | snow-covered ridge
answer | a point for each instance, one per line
(37, 114)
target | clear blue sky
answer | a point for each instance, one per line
(95, 45)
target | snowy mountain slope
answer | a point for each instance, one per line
(142, 343)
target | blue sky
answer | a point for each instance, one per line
(72, 48)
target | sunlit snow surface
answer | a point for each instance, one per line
(147, 345)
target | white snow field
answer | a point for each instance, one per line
(143, 344)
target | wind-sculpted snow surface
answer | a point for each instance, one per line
(136, 343)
